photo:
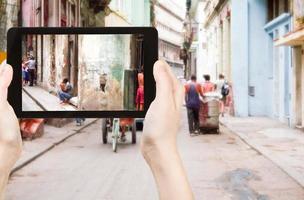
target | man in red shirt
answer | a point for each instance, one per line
(207, 86)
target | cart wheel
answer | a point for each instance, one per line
(134, 132)
(104, 130)
(114, 144)
(115, 134)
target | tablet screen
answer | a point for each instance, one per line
(82, 72)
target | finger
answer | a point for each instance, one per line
(6, 75)
(178, 89)
(164, 85)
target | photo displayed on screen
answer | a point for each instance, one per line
(82, 72)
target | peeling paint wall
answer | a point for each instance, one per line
(113, 58)
(54, 62)
(8, 18)
(299, 13)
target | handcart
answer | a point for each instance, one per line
(209, 113)
(115, 126)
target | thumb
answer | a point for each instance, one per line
(164, 85)
(6, 75)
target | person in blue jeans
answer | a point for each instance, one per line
(65, 91)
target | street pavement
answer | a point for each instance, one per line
(281, 144)
(52, 136)
(219, 167)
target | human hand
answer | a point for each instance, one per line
(10, 137)
(162, 120)
(159, 137)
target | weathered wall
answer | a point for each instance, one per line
(27, 10)
(298, 13)
(54, 62)
(113, 58)
(8, 18)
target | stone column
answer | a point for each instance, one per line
(226, 49)
(220, 48)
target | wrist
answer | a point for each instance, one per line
(9, 155)
(157, 153)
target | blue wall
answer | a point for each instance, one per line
(240, 55)
(251, 58)
(260, 67)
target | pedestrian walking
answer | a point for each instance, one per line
(140, 92)
(222, 88)
(25, 73)
(193, 91)
(31, 63)
(103, 81)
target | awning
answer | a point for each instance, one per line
(292, 39)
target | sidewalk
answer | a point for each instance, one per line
(284, 146)
(52, 137)
(43, 100)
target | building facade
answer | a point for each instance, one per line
(261, 71)
(217, 30)
(294, 38)
(169, 16)
(240, 42)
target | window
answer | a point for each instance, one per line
(277, 7)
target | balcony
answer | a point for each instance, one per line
(294, 38)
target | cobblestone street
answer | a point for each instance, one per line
(219, 166)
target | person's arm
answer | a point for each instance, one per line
(62, 87)
(200, 90)
(10, 137)
(186, 89)
(158, 143)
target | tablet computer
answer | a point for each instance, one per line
(82, 72)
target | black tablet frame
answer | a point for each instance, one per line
(14, 58)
